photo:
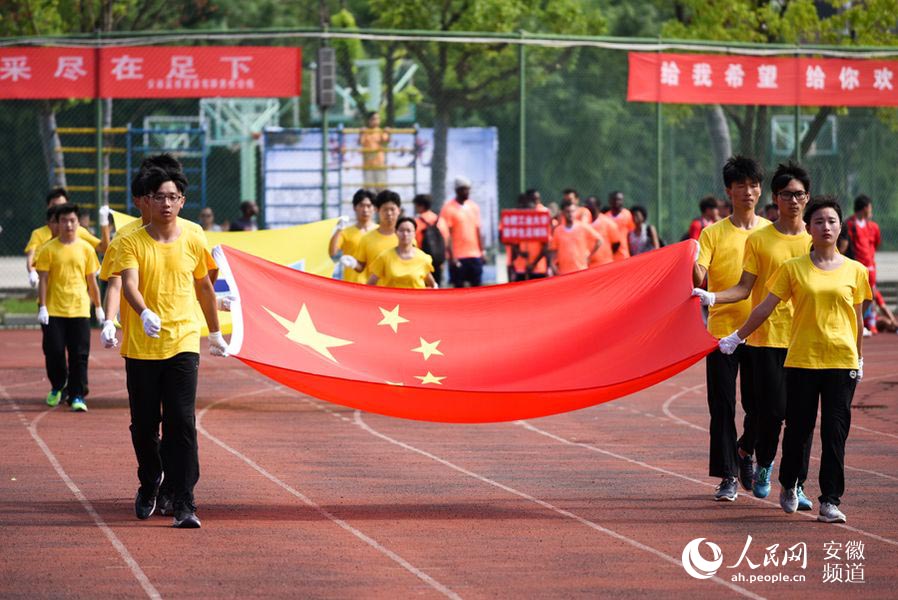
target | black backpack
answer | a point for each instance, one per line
(432, 242)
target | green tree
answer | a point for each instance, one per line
(462, 78)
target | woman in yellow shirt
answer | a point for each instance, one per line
(404, 266)
(824, 362)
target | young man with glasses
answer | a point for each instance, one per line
(164, 267)
(765, 251)
(721, 251)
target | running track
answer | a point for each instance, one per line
(302, 498)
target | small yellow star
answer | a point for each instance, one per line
(391, 318)
(303, 332)
(428, 349)
(430, 378)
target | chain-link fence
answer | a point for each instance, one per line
(558, 112)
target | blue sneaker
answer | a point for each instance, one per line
(78, 404)
(761, 485)
(804, 503)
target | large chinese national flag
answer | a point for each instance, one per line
(474, 355)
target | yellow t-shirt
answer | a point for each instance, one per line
(348, 241)
(372, 245)
(394, 271)
(721, 248)
(42, 235)
(106, 269)
(68, 266)
(824, 323)
(765, 250)
(167, 273)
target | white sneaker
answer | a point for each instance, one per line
(789, 500)
(830, 513)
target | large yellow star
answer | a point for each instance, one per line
(428, 349)
(430, 378)
(392, 318)
(303, 332)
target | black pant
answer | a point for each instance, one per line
(470, 270)
(721, 371)
(834, 389)
(169, 385)
(70, 334)
(438, 272)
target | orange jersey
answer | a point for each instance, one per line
(625, 225)
(607, 228)
(463, 222)
(573, 246)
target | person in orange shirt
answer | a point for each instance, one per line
(465, 249)
(425, 218)
(572, 242)
(373, 140)
(624, 220)
(582, 214)
(607, 228)
(528, 260)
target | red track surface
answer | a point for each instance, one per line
(305, 499)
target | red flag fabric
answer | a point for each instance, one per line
(497, 353)
(768, 80)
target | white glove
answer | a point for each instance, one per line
(860, 369)
(436, 286)
(707, 298)
(107, 335)
(729, 344)
(224, 302)
(103, 218)
(100, 313)
(217, 344)
(43, 317)
(349, 261)
(33, 278)
(152, 324)
(342, 222)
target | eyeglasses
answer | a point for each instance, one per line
(160, 198)
(787, 195)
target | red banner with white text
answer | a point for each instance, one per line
(150, 72)
(772, 81)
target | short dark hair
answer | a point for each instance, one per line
(361, 194)
(52, 211)
(739, 168)
(862, 202)
(423, 200)
(706, 203)
(152, 179)
(246, 205)
(638, 208)
(161, 161)
(570, 190)
(531, 193)
(67, 209)
(770, 206)
(406, 219)
(566, 202)
(614, 193)
(787, 172)
(385, 196)
(56, 193)
(818, 203)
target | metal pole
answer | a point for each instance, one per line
(797, 152)
(98, 138)
(323, 162)
(659, 155)
(522, 122)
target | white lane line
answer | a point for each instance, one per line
(138, 573)
(868, 430)
(667, 411)
(645, 465)
(566, 513)
(311, 504)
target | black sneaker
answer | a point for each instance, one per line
(185, 518)
(727, 490)
(145, 503)
(746, 472)
(165, 504)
